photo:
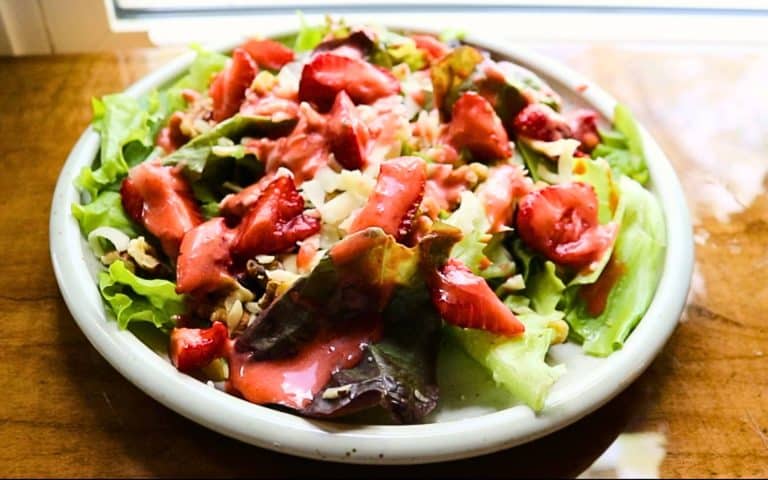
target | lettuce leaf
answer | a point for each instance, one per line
(471, 219)
(393, 49)
(134, 299)
(127, 126)
(205, 65)
(450, 75)
(309, 36)
(106, 210)
(517, 364)
(622, 147)
(196, 154)
(630, 279)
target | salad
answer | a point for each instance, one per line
(308, 222)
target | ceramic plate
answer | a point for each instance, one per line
(458, 429)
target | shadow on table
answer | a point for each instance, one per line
(162, 443)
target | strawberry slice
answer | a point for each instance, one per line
(204, 258)
(499, 194)
(395, 199)
(476, 127)
(228, 87)
(539, 122)
(349, 135)
(560, 221)
(328, 74)
(276, 221)
(465, 300)
(431, 46)
(194, 348)
(238, 204)
(160, 198)
(583, 124)
(131, 199)
(268, 54)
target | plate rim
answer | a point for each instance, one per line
(402, 444)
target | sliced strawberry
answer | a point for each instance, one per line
(328, 74)
(268, 54)
(431, 46)
(276, 221)
(465, 300)
(194, 348)
(395, 199)
(539, 122)
(228, 87)
(204, 258)
(133, 204)
(168, 209)
(349, 134)
(560, 222)
(238, 204)
(506, 184)
(583, 124)
(476, 127)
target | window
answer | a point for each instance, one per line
(44, 26)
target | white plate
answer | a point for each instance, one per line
(457, 432)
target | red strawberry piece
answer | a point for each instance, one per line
(465, 300)
(276, 221)
(349, 134)
(268, 54)
(228, 87)
(432, 47)
(560, 222)
(328, 74)
(476, 127)
(161, 197)
(194, 348)
(539, 122)
(131, 199)
(395, 199)
(204, 258)
(583, 124)
(506, 184)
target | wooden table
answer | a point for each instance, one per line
(65, 412)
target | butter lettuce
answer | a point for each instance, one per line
(622, 147)
(635, 268)
(132, 299)
(517, 364)
(106, 210)
(127, 126)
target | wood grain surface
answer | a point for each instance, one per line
(65, 412)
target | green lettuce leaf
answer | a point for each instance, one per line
(134, 299)
(630, 277)
(205, 65)
(545, 289)
(196, 154)
(534, 161)
(517, 364)
(393, 49)
(309, 36)
(622, 147)
(471, 219)
(106, 210)
(127, 126)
